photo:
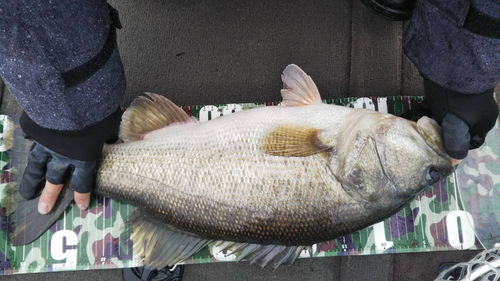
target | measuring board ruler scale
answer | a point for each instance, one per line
(94, 238)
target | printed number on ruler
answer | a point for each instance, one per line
(363, 103)
(231, 108)
(208, 112)
(381, 244)
(453, 219)
(382, 105)
(222, 255)
(59, 250)
(305, 253)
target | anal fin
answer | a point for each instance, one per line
(159, 246)
(265, 254)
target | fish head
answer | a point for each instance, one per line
(389, 160)
(412, 154)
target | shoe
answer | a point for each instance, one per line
(396, 10)
(143, 274)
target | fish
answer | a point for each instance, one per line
(264, 183)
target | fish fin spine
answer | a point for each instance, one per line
(299, 88)
(264, 255)
(149, 113)
(158, 245)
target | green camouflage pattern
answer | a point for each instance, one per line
(479, 180)
(94, 239)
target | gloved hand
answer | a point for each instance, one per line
(71, 103)
(465, 119)
(58, 157)
(50, 169)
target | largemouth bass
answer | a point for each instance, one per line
(264, 183)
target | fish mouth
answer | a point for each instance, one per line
(430, 132)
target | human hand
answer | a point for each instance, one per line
(49, 170)
(74, 162)
(465, 119)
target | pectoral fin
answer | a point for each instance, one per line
(294, 140)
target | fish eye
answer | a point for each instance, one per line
(432, 175)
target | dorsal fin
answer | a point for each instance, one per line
(300, 89)
(150, 113)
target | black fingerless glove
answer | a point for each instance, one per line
(465, 119)
(58, 156)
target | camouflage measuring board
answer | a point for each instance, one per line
(94, 239)
(479, 181)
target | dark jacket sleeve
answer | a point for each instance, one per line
(40, 42)
(48, 62)
(450, 47)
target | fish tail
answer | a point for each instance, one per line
(24, 223)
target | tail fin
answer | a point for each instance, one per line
(26, 224)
